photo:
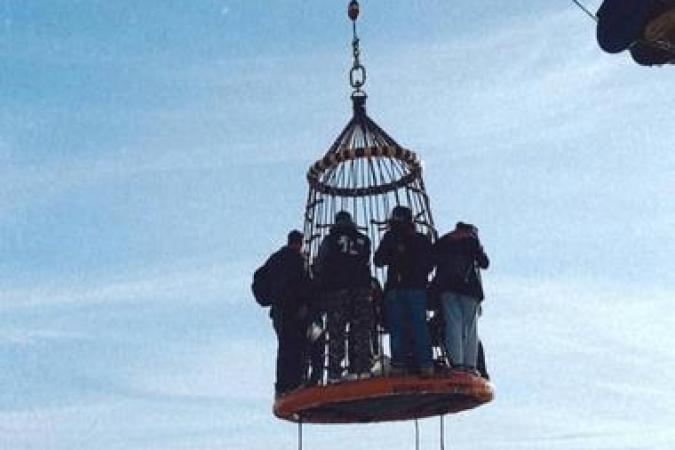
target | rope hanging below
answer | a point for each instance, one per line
(300, 434)
(442, 433)
(417, 435)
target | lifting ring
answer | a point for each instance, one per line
(357, 77)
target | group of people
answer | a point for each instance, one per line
(341, 292)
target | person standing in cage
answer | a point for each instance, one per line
(344, 280)
(289, 312)
(407, 255)
(459, 256)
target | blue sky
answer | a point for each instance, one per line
(152, 155)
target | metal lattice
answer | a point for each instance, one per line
(366, 173)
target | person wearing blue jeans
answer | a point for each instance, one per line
(406, 310)
(461, 339)
(459, 256)
(407, 255)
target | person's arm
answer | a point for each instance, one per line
(439, 251)
(481, 257)
(427, 253)
(322, 256)
(366, 251)
(299, 284)
(383, 253)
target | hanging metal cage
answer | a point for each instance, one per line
(367, 173)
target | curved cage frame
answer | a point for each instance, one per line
(366, 173)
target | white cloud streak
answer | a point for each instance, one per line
(162, 285)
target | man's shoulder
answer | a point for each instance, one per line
(286, 255)
(363, 236)
(447, 244)
(445, 237)
(282, 252)
(387, 235)
(276, 256)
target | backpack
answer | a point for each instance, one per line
(263, 285)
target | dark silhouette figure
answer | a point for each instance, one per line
(289, 312)
(344, 278)
(407, 255)
(459, 256)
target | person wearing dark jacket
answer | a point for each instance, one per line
(289, 313)
(459, 256)
(344, 279)
(407, 255)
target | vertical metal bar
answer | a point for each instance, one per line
(300, 434)
(417, 435)
(442, 434)
(427, 205)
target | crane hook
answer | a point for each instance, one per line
(353, 10)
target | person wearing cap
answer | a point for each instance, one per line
(289, 312)
(407, 255)
(343, 271)
(459, 256)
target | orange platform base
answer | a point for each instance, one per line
(384, 399)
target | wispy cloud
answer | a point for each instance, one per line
(161, 285)
(29, 337)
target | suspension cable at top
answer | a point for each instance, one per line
(586, 10)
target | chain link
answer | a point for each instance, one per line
(357, 74)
